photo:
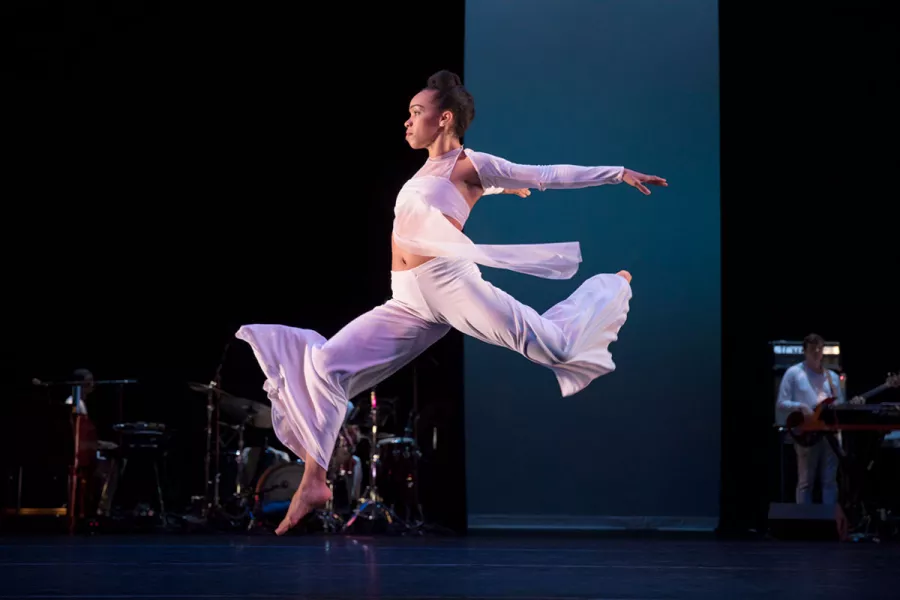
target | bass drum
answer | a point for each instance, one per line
(274, 490)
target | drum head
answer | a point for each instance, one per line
(276, 487)
(391, 441)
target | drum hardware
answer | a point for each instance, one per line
(239, 457)
(250, 414)
(412, 431)
(212, 391)
(406, 450)
(331, 521)
(412, 425)
(139, 439)
(237, 505)
(373, 507)
(247, 413)
(232, 508)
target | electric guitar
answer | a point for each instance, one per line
(808, 430)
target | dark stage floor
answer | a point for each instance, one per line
(176, 566)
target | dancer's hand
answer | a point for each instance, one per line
(637, 180)
(521, 193)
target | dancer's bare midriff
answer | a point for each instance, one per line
(401, 260)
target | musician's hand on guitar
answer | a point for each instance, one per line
(857, 400)
(892, 380)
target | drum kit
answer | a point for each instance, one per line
(373, 475)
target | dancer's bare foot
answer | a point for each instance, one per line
(625, 274)
(310, 495)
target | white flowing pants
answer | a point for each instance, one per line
(309, 379)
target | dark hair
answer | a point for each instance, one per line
(814, 340)
(451, 95)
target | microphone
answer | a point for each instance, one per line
(36, 381)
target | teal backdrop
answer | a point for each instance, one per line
(604, 82)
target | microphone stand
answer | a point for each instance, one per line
(73, 480)
(77, 419)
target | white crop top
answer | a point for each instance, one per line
(421, 228)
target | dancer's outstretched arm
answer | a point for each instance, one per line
(496, 172)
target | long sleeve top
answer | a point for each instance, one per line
(423, 202)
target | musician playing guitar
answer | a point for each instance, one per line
(802, 388)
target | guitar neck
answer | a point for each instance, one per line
(875, 391)
(866, 396)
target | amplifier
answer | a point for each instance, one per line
(787, 353)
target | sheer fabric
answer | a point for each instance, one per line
(420, 226)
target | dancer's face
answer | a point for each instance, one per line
(425, 122)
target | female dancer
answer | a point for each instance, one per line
(437, 285)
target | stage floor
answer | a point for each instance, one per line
(189, 566)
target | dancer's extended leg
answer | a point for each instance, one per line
(572, 338)
(309, 381)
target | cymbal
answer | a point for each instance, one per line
(205, 387)
(255, 414)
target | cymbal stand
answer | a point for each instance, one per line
(212, 416)
(373, 508)
(412, 430)
(420, 527)
(331, 521)
(238, 489)
(210, 409)
(408, 432)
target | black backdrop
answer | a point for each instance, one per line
(806, 109)
(179, 170)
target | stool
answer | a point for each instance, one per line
(141, 442)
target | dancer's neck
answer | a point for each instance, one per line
(442, 145)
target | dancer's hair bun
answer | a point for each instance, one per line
(450, 94)
(444, 80)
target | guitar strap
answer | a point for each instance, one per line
(834, 392)
(836, 441)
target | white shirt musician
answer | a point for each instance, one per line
(802, 388)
